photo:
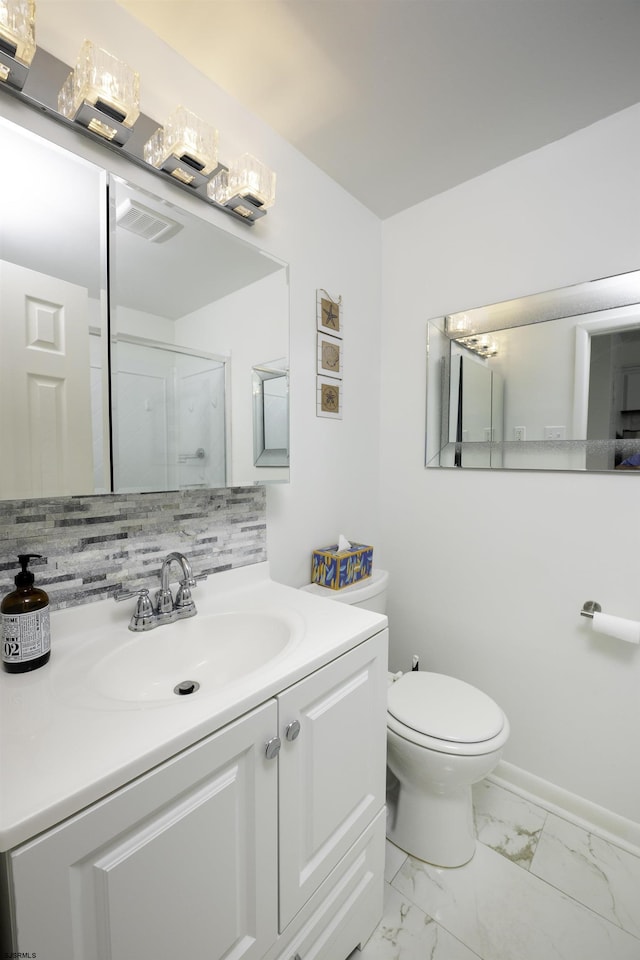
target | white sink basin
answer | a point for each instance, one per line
(207, 650)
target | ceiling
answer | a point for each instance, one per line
(399, 100)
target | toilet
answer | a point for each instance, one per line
(443, 735)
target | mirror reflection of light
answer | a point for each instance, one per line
(459, 325)
(483, 345)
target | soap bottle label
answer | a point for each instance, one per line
(25, 636)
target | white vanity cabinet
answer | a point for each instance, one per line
(180, 863)
(227, 850)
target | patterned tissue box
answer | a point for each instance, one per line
(337, 570)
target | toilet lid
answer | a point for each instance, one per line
(443, 707)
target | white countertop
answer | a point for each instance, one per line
(63, 746)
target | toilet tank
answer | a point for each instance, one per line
(370, 594)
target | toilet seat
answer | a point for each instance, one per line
(445, 714)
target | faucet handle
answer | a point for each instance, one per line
(184, 605)
(128, 594)
(144, 616)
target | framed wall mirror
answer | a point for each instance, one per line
(545, 382)
(271, 414)
(129, 330)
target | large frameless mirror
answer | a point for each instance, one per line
(192, 310)
(53, 344)
(545, 382)
(164, 399)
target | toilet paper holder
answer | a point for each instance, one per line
(589, 608)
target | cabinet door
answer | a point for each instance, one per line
(332, 775)
(180, 863)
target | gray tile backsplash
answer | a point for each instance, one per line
(93, 546)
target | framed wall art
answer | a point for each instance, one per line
(330, 354)
(329, 314)
(329, 398)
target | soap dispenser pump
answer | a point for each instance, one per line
(24, 622)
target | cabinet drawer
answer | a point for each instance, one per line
(346, 908)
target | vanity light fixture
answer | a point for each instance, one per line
(17, 40)
(482, 345)
(458, 325)
(101, 97)
(248, 187)
(102, 94)
(186, 147)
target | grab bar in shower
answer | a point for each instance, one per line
(198, 455)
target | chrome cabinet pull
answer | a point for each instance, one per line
(292, 731)
(273, 748)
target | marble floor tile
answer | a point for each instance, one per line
(603, 877)
(393, 859)
(407, 933)
(502, 912)
(506, 822)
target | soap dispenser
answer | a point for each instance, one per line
(24, 622)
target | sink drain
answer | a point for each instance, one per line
(186, 687)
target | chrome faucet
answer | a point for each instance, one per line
(164, 609)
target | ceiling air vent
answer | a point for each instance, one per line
(145, 222)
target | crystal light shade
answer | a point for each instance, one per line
(17, 39)
(458, 325)
(483, 345)
(218, 186)
(247, 179)
(186, 147)
(102, 93)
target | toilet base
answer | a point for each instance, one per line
(435, 827)
(433, 816)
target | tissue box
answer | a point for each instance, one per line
(337, 570)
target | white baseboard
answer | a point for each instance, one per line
(597, 820)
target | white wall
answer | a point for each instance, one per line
(250, 327)
(490, 569)
(329, 239)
